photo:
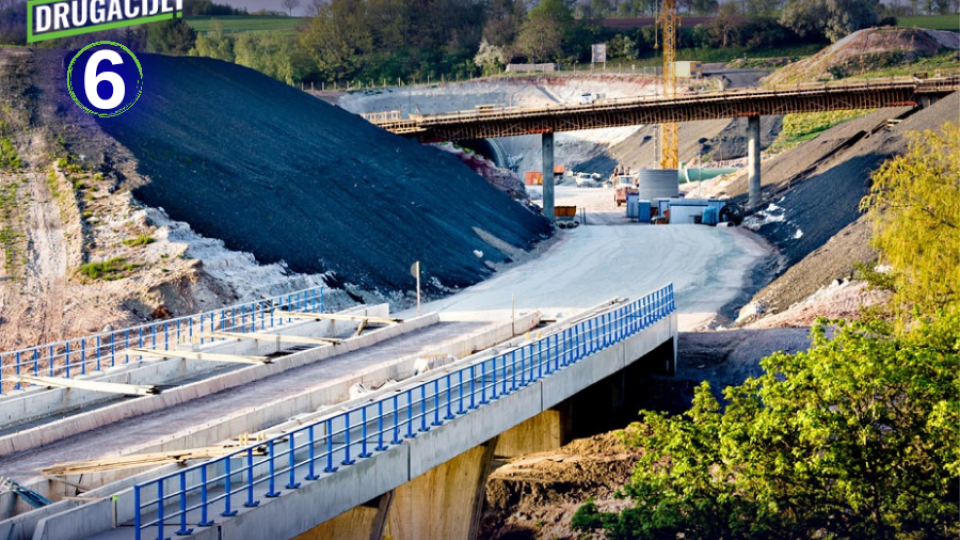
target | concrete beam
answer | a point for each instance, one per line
(753, 160)
(548, 198)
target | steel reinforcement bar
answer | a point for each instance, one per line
(507, 122)
(195, 495)
(94, 353)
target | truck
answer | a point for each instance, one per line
(624, 184)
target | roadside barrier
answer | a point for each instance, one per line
(193, 495)
(98, 352)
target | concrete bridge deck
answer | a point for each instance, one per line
(381, 444)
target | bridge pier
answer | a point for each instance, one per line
(364, 522)
(547, 147)
(753, 160)
(444, 502)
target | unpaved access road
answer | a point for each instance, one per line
(709, 266)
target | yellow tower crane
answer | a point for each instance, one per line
(669, 133)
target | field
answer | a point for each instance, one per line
(932, 22)
(246, 23)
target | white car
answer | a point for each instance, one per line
(586, 180)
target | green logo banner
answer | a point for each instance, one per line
(51, 19)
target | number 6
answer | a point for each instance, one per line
(91, 80)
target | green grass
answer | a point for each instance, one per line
(247, 23)
(947, 64)
(932, 22)
(108, 270)
(729, 54)
(139, 240)
(798, 128)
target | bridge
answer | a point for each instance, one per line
(275, 419)
(545, 121)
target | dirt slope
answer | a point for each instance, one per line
(285, 176)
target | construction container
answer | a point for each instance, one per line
(643, 211)
(711, 215)
(633, 206)
(688, 69)
(658, 183)
(533, 178)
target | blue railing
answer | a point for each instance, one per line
(193, 495)
(86, 354)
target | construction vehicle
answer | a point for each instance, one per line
(566, 217)
(623, 185)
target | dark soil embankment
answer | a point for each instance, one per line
(813, 193)
(283, 175)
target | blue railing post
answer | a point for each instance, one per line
(66, 361)
(183, 506)
(346, 440)
(329, 468)
(17, 387)
(160, 510)
(483, 383)
(380, 446)
(396, 420)
(311, 468)
(436, 403)
(450, 415)
(83, 356)
(363, 443)
(473, 389)
(271, 463)
(251, 501)
(227, 511)
(410, 433)
(292, 480)
(423, 408)
(204, 520)
(460, 385)
(136, 515)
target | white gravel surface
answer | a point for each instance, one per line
(709, 266)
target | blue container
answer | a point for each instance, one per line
(632, 199)
(710, 216)
(644, 214)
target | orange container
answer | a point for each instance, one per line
(534, 178)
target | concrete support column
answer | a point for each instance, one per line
(446, 501)
(753, 160)
(547, 175)
(549, 430)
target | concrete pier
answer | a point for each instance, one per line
(753, 160)
(548, 175)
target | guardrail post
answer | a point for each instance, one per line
(227, 511)
(396, 420)
(250, 502)
(473, 389)
(460, 377)
(183, 506)
(311, 468)
(136, 515)
(483, 383)
(380, 446)
(493, 379)
(346, 438)
(436, 403)
(204, 520)
(423, 408)
(160, 510)
(292, 481)
(272, 471)
(83, 356)
(363, 443)
(329, 428)
(66, 360)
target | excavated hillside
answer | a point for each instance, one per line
(222, 184)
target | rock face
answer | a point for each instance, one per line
(280, 174)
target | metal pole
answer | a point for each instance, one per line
(753, 158)
(547, 153)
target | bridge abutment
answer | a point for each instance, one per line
(753, 160)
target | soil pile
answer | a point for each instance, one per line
(273, 171)
(867, 50)
(812, 195)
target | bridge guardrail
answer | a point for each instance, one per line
(323, 446)
(82, 355)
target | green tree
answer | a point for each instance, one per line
(338, 37)
(915, 206)
(172, 36)
(833, 19)
(854, 438)
(541, 37)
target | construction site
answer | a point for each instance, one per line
(246, 310)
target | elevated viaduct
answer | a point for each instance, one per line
(263, 429)
(752, 104)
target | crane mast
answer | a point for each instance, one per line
(669, 134)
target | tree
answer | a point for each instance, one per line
(173, 36)
(541, 37)
(915, 207)
(490, 58)
(290, 5)
(833, 19)
(504, 18)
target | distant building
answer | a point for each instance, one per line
(518, 68)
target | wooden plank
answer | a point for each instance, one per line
(93, 386)
(136, 460)
(336, 317)
(282, 338)
(360, 328)
(192, 355)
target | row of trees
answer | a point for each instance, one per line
(854, 438)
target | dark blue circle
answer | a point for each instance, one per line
(128, 70)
